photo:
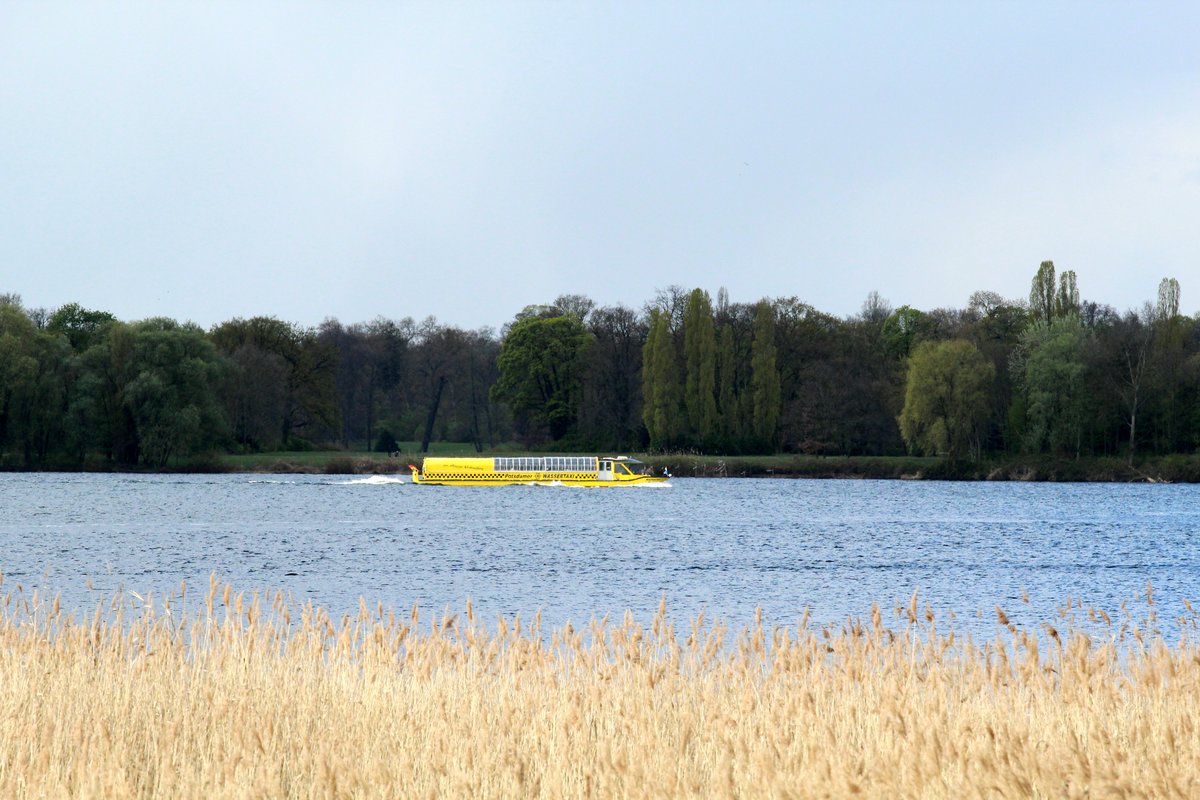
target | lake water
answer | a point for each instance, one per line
(723, 546)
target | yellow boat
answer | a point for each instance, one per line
(536, 470)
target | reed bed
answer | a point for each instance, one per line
(238, 694)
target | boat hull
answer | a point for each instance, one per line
(588, 471)
(538, 481)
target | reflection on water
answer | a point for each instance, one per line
(721, 546)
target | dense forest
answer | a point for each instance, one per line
(1047, 374)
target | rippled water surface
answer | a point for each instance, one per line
(721, 546)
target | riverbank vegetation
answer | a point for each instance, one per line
(232, 694)
(1166, 469)
(1001, 380)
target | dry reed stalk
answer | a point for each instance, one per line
(254, 695)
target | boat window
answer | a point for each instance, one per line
(548, 464)
(517, 464)
(569, 463)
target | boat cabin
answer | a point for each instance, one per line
(611, 468)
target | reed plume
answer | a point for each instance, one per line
(249, 694)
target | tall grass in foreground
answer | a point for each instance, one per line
(252, 695)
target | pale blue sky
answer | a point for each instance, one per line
(304, 160)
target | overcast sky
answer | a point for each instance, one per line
(306, 160)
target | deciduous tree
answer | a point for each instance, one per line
(18, 372)
(700, 366)
(1049, 365)
(83, 327)
(904, 329)
(662, 393)
(1066, 300)
(171, 395)
(764, 375)
(610, 406)
(539, 371)
(309, 388)
(1041, 293)
(946, 398)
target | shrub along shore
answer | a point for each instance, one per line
(232, 694)
(1168, 469)
(1152, 469)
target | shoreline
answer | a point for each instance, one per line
(1039, 469)
(1035, 469)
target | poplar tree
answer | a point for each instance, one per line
(700, 357)
(649, 377)
(1066, 302)
(1168, 362)
(764, 376)
(661, 392)
(1168, 300)
(1041, 293)
(730, 419)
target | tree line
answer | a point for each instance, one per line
(1047, 374)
